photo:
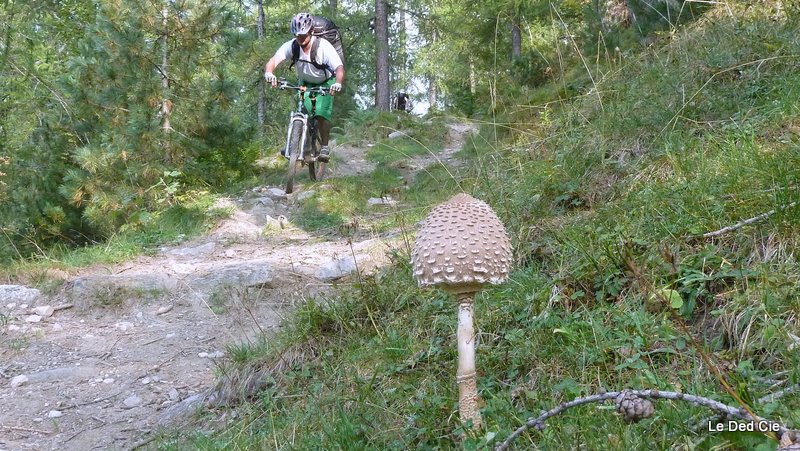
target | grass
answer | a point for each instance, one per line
(343, 207)
(698, 134)
(398, 149)
(191, 215)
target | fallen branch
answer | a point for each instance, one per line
(143, 442)
(752, 220)
(88, 403)
(21, 429)
(539, 422)
(772, 397)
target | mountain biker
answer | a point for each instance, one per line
(331, 75)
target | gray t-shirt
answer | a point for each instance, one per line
(326, 55)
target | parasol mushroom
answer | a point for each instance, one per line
(461, 247)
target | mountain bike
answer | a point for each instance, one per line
(302, 137)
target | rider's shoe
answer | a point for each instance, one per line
(324, 154)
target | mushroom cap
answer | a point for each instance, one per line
(461, 246)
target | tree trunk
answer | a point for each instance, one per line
(262, 97)
(166, 104)
(432, 91)
(333, 6)
(402, 78)
(433, 95)
(473, 77)
(516, 41)
(382, 97)
(7, 37)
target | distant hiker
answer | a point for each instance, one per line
(401, 101)
(318, 61)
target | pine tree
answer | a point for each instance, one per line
(153, 93)
(36, 39)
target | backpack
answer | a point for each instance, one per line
(322, 28)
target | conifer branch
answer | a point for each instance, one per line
(58, 96)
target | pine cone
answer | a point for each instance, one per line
(633, 408)
(788, 442)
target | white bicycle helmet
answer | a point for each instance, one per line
(301, 24)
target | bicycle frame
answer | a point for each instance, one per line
(304, 123)
(299, 115)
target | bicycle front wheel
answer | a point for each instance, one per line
(295, 138)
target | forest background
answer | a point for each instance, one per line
(109, 108)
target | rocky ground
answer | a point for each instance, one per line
(98, 363)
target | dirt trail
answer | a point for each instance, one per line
(127, 342)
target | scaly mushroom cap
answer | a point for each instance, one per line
(461, 247)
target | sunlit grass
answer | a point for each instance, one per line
(190, 216)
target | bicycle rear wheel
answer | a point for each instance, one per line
(316, 168)
(295, 137)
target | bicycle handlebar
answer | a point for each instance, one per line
(283, 84)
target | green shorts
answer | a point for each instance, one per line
(324, 103)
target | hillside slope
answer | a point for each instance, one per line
(612, 198)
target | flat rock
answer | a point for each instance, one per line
(194, 252)
(375, 201)
(71, 373)
(18, 381)
(182, 408)
(19, 294)
(124, 325)
(45, 311)
(265, 202)
(276, 193)
(90, 290)
(336, 269)
(250, 273)
(132, 401)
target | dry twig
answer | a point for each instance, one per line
(766, 399)
(539, 422)
(752, 220)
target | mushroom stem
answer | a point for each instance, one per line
(465, 376)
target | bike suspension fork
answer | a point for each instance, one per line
(296, 117)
